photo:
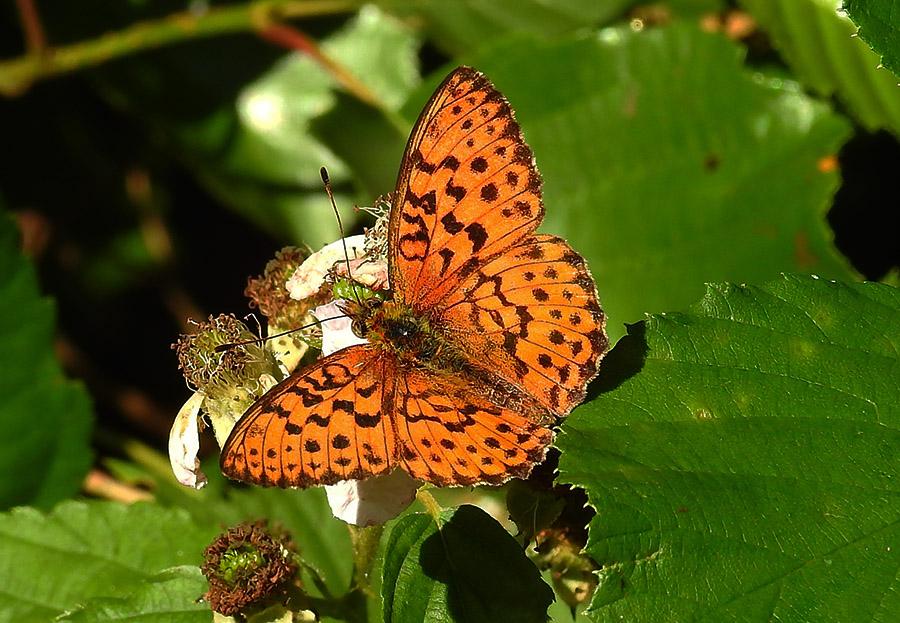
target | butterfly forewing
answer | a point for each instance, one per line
(467, 203)
(468, 188)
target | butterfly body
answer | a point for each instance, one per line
(491, 334)
(407, 336)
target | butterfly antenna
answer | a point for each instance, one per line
(324, 173)
(221, 348)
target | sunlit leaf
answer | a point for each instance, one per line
(668, 164)
(172, 595)
(816, 40)
(878, 27)
(101, 553)
(743, 458)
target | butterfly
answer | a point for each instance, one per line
(490, 335)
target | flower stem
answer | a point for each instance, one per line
(31, 24)
(431, 505)
(365, 549)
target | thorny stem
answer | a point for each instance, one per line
(43, 61)
(352, 606)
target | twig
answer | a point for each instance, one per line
(16, 75)
(431, 505)
(292, 38)
(103, 486)
(365, 549)
(31, 24)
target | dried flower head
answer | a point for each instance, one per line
(226, 383)
(217, 373)
(572, 570)
(248, 567)
(376, 244)
(268, 293)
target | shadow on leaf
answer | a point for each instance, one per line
(624, 361)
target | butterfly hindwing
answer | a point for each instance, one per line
(322, 424)
(450, 433)
(531, 317)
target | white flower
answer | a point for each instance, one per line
(337, 332)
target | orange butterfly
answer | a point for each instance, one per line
(492, 334)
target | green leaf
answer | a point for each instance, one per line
(878, 26)
(381, 52)
(248, 130)
(667, 164)
(818, 43)
(744, 457)
(48, 416)
(172, 594)
(81, 552)
(461, 25)
(462, 567)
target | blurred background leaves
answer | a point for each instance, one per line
(164, 151)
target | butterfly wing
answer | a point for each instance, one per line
(322, 424)
(449, 432)
(468, 188)
(531, 316)
(463, 251)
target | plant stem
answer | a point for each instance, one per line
(365, 548)
(31, 24)
(431, 505)
(17, 74)
(294, 39)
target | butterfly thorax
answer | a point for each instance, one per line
(410, 337)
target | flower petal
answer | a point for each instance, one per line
(310, 275)
(374, 500)
(337, 331)
(184, 443)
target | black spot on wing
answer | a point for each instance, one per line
(477, 235)
(451, 224)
